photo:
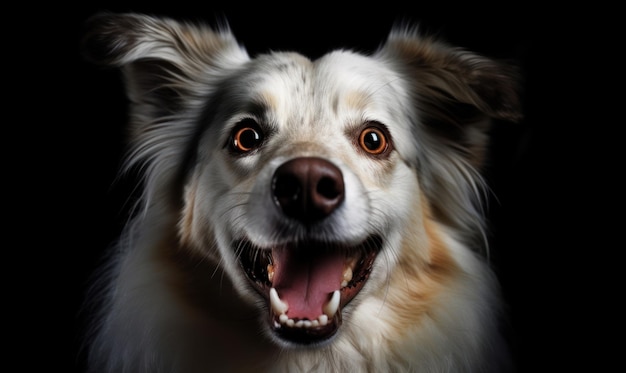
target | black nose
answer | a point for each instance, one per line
(308, 189)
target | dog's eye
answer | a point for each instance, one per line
(246, 136)
(373, 141)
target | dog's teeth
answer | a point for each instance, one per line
(332, 306)
(348, 270)
(351, 262)
(323, 320)
(278, 306)
(347, 276)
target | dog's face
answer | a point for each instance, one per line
(307, 181)
(303, 187)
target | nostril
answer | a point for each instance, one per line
(328, 188)
(286, 188)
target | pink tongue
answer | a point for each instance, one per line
(306, 281)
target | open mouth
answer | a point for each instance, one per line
(307, 284)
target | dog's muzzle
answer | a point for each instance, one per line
(307, 281)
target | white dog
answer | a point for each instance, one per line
(301, 215)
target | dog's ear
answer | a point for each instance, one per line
(167, 64)
(172, 71)
(457, 93)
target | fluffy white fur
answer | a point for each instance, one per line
(175, 298)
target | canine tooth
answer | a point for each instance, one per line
(332, 306)
(278, 306)
(270, 272)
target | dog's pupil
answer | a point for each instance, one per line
(371, 140)
(248, 138)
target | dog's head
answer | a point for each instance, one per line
(306, 180)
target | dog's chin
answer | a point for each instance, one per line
(306, 285)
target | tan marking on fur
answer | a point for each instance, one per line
(270, 100)
(196, 41)
(422, 273)
(185, 225)
(435, 67)
(356, 100)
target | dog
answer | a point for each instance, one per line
(301, 215)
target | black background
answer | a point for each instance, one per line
(68, 127)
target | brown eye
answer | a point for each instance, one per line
(246, 137)
(373, 141)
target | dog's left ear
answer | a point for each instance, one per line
(457, 93)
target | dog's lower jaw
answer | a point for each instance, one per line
(315, 318)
